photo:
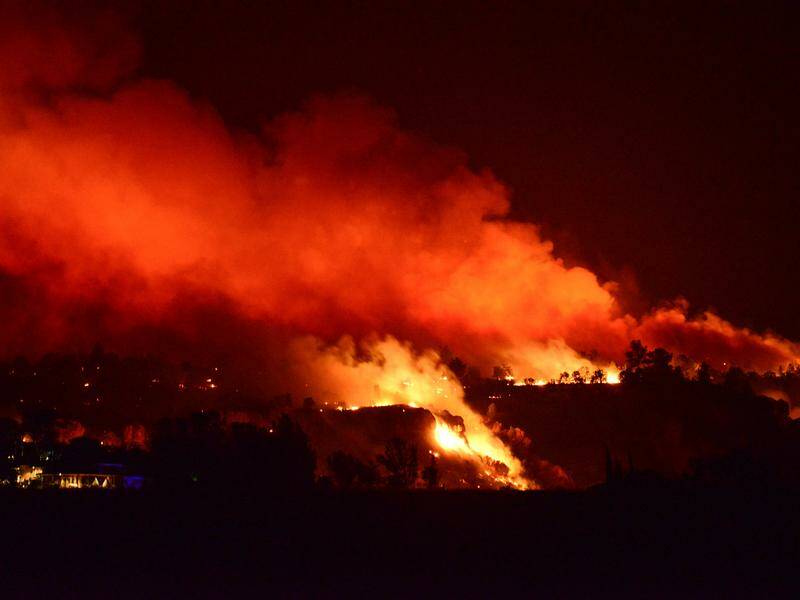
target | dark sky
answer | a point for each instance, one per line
(646, 140)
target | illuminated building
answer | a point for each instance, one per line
(28, 476)
(81, 480)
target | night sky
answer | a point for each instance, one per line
(657, 145)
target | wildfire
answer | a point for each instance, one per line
(328, 220)
(110, 175)
(387, 372)
(592, 374)
(495, 462)
(448, 439)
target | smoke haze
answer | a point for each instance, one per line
(132, 213)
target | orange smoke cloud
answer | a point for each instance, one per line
(718, 342)
(131, 207)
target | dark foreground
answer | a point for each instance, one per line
(623, 542)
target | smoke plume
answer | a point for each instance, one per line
(131, 214)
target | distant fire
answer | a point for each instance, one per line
(331, 245)
(133, 215)
(386, 372)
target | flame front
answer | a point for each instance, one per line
(384, 372)
(449, 440)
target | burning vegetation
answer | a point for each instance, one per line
(667, 420)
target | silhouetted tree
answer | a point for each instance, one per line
(657, 360)
(368, 474)
(599, 376)
(430, 474)
(400, 461)
(652, 366)
(458, 367)
(295, 461)
(704, 373)
(344, 468)
(502, 373)
(736, 381)
(635, 355)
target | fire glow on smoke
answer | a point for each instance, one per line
(131, 212)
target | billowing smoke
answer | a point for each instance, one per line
(132, 215)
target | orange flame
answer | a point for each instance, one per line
(385, 371)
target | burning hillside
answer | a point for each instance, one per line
(438, 444)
